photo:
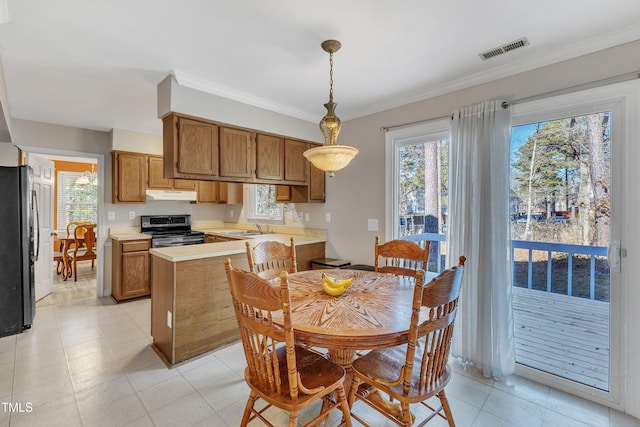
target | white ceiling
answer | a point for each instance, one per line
(95, 64)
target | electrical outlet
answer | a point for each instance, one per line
(231, 213)
(306, 216)
(132, 214)
(327, 216)
(111, 216)
(301, 215)
(169, 323)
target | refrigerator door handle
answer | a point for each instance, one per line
(37, 215)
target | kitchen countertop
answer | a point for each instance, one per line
(301, 236)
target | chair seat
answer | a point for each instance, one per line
(315, 371)
(385, 365)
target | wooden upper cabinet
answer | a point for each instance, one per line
(129, 177)
(236, 160)
(190, 148)
(295, 164)
(269, 157)
(156, 174)
(157, 181)
(197, 147)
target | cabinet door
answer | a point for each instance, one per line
(269, 157)
(197, 147)
(135, 274)
(129, 177)
(185, 184)
(235, 153)
(207, 192)
(156, 174)
(295, 164)
(283, 193)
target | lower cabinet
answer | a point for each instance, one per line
(130, 269)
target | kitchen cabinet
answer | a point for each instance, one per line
(295, 164)
(313, 192)
(191, 308)
(157, 181)
(129, 177)
(269, 157)
(236, 159)
(190, 148)
(204, 150)
(130, 269)
(219, 192)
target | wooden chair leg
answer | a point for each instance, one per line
(293, 419)
(346, 412)
(75, 270)
(447, 409)
(248, 408)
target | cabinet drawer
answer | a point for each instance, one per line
(135, 246)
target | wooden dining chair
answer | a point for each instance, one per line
(409, 376)
(267, 259)
(84, 246)
(400, 257)
(281, 373)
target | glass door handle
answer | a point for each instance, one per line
(613, 255)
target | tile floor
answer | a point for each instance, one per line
(87, 362)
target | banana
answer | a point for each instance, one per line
(333, 286)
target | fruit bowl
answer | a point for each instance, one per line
(334, 286)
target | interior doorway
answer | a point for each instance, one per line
(96, 171)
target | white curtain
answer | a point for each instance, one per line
(479, 229)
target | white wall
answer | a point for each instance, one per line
(8, 154)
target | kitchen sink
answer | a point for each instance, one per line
(243, 233)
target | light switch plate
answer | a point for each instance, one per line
(111, 216)
(132, 214)
(372, 224)
(327, 216)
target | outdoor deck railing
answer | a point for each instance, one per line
(549, 248)
(570, 250)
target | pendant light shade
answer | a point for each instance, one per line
(331, 157)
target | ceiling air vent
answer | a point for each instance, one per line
(504, 49)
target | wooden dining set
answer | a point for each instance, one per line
(78, 244)
(384, 342)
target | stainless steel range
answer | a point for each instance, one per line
(170, 230)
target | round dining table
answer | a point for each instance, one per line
(373, 313)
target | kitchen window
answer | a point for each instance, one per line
(262, 204)
(76, 201)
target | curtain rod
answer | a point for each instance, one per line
(386, 128)
(609, 80)
(583, 86)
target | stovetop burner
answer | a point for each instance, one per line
(170, 230)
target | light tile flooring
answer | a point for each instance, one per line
(87, 362)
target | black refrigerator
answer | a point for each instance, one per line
(18, 249)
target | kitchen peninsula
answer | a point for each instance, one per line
(191, 309)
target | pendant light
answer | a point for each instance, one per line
(88, 177)
(331, 157)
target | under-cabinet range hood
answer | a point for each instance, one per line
(171, 195)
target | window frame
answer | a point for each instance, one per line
(437, 129)
(250, 191)
(62, 215)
